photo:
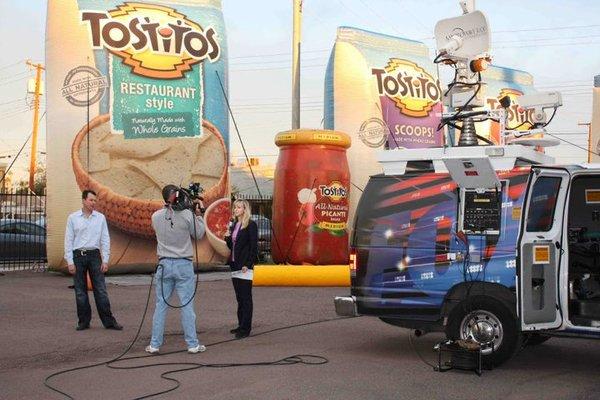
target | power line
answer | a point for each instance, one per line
(277, 54)
(287, 60)
(17, 156)
(590, 85)
(379, 16)
(14, 107)
(554, 28)
(13, 81)
(254, 155)
(571, 81)
(274, 105)
(11, 102)
(414, 18)
(276, 111)
(351, 11)
(11, 65)
(572, 144)
(546, 39)
(14, 112)
(237, 101)
(276, 68)
(547, 45)
(22, 74)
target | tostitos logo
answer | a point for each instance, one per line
(155, 41)
(517, 117)
(413, 89)
(335, 191)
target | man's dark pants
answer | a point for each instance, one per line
(91, 261)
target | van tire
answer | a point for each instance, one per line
(496, 320)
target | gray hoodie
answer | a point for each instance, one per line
(174, 230)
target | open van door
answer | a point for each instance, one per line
(539, 249)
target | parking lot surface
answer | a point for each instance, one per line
(367, 358)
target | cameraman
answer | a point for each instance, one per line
(174, 229)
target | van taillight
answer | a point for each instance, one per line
(353, 263)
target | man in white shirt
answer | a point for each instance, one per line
(87, 249)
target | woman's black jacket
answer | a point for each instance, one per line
(246, 247)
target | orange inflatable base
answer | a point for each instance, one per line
(301, 275)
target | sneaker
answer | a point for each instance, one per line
(198, 349)
(151, 350)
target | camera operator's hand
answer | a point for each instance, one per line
(198, 207)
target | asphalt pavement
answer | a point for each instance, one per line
(367, 359)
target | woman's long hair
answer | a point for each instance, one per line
(245, 218)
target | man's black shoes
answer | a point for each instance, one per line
(234, 331)
(241, 335)
(116, 326)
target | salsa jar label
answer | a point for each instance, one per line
(331, 209)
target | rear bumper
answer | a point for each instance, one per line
(345, 306)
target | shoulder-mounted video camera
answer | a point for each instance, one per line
(184, 198)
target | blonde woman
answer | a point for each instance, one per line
(242, 240)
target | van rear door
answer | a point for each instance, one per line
(539, 249)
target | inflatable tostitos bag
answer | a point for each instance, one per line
(134, 103)
(385, 93)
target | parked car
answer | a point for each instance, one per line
(22, 240)
(264, 236)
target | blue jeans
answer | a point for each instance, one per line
(91, 263)
(178, 274)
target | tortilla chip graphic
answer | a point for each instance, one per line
(128, 175)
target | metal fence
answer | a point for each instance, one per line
(22, 230)
(262, 214)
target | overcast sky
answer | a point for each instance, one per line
(556, 41)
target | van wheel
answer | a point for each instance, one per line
(486, 320)
(534, 339)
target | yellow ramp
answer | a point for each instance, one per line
(301, 275)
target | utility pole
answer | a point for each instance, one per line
(36, 112)
(296, 44)
(589, 126)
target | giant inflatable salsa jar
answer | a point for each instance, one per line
(310, 200)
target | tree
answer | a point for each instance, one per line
(39, 183)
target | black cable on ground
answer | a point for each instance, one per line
(137, 334)
(414, 348)
(307, 359)
(141, 322)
